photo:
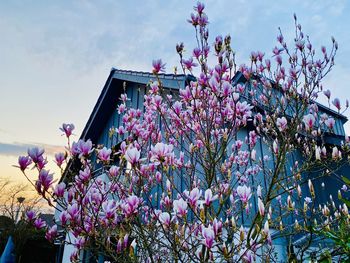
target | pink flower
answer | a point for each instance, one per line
(244, 193)
(158, 66)
(209, 236)
(132, 155)
(164, 218)
(180, 207)
(281, 123)
(261, 207)
(59, 189)
(327, 93)
(275, 146)
(39, 223)
(82, 148)
(30, 215)
(24, 162)
(199, 7)
(336, 103)
(51, 233)
(60, 158)
(36, 154)
(217, 226)
(330, 122)
(73, 211)
(336, 153)
(193, 196)
(114, 171)
(189, 64)
(104, 154)
(45, 179)
(317, 152)
(161, 151)
(64, 217)
(208, 197)
(109, 208)
(309, 121)
(132, 203)
(67, 129)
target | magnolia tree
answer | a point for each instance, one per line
(189, 182)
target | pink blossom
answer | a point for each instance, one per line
(24, 162)
(45, 179)
(82, 148)
(189, 64)
(336, 103)
(60, 158)
(114, 171)
(158, 66)
(132, 203)
(330, 122)
(132, 155)
(164, 218)
(317, 153)
(51, 233)
(309, 121)
(193, 196)
(161, 151)
(261, 207)
(59, 189)
(217, 226)
(64, 217)
(327, 93)
(275, 146)
(209, 236)
(208, 197)
(67, 129)
(109, 207)
(104, 154)
(180, 207)
(336, 153)
(199, 7)
(35, 154)
(244, 193)
(281, 123)
(30, 215)
(39, 223)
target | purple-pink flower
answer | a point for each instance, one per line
(35, 154)
(60, 158)
(24, 162)
(45, 179)
(104, 154)
(180, 207)
(39, 223)
(67, 128)
(209, 236)
(59, 189)
(132, 155)
(244, 193)
(309, 121)
(158, 66)
(30, 215)
(208, 197)
(336, 103)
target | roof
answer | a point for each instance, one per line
(240, 78)
(107, 99)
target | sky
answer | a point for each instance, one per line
(55, 56)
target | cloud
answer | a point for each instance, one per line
(17, 149)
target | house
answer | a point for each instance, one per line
(105, 116)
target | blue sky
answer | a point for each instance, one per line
(56, 55)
